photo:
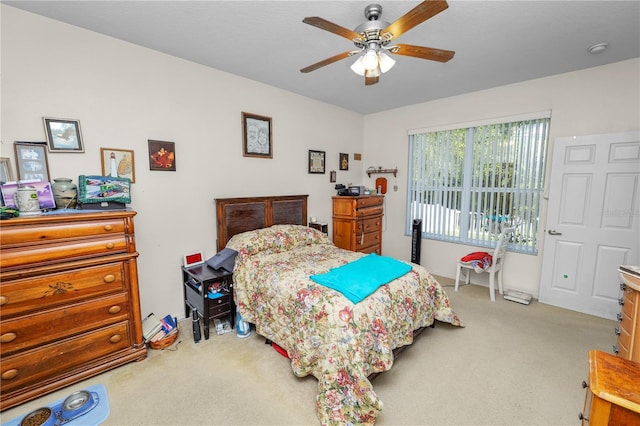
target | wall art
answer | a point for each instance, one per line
(344, 161)
(256, 136)
(162, 155)
(63, 135)
(316, 161)
(6, 173)
(31, 161)
(118, 162)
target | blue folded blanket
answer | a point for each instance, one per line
(360, 278)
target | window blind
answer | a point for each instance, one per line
(467, 184)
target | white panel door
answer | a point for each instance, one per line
(593, 221)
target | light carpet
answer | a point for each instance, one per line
(512, 364)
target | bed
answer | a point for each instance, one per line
(326, 335)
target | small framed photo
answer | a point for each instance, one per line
(316, 161)
(63, 135)
(6, 173)
(256, 136)
(332, 176)
(31, 161)
(162, 155)
(344, 161)
(119, 162)
(193, 259)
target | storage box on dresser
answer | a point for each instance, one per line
(357, 223)
(69, 301)
(628, 330)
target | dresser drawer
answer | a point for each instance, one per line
(624, 339)
(371, 239)
(629, 306)
(366, 226)
(53, 325)
(56, 359)
(369, 211)
(369, 202)
(43, 233)
(63, 251)
(41, 292)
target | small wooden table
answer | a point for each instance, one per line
(613, 395)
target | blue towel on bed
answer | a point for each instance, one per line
(360, 278)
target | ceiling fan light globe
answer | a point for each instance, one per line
(386, 62)
(372, 73)
(370, 59)
(358, 66)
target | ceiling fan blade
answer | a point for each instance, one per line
(368, 81)
(323, 24)
(326, 62)
(422, 52)
(415, 16)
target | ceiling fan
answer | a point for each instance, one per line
(373, 39)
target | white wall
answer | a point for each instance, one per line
(598, 100)
(124, 95)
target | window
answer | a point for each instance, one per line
(467, 184)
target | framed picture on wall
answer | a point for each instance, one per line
(63, 135)
(162, 155)
(31, 161)
(122, 162)
(6, 173)
(316, 161)
(344, 161)
(256, 136)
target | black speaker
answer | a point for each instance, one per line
(416, 235)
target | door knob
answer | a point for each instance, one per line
(554, 232)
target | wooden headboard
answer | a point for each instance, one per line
(236, 215)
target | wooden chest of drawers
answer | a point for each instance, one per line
(628, 330)
(613, 394)
(357, 223)
(69, 302)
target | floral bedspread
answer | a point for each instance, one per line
(325, 334)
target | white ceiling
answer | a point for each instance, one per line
(496, 42)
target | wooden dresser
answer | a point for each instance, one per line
(357, 223)
(69, 302)
(628, 330)
(613, 394)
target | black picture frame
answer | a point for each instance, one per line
(256, 136)
(317, 161)
(344, 161)
(162, 155)
(63, 135)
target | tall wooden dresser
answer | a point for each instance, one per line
(69, 302)
(628, 330)
(357, 223)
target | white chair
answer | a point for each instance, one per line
(497, 262)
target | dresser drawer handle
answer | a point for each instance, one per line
(8, 337)
(4, 300)
(115, 309)
(115, 338)
(109, 278)
(10, 374)
(110, 245)
(108, 227)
